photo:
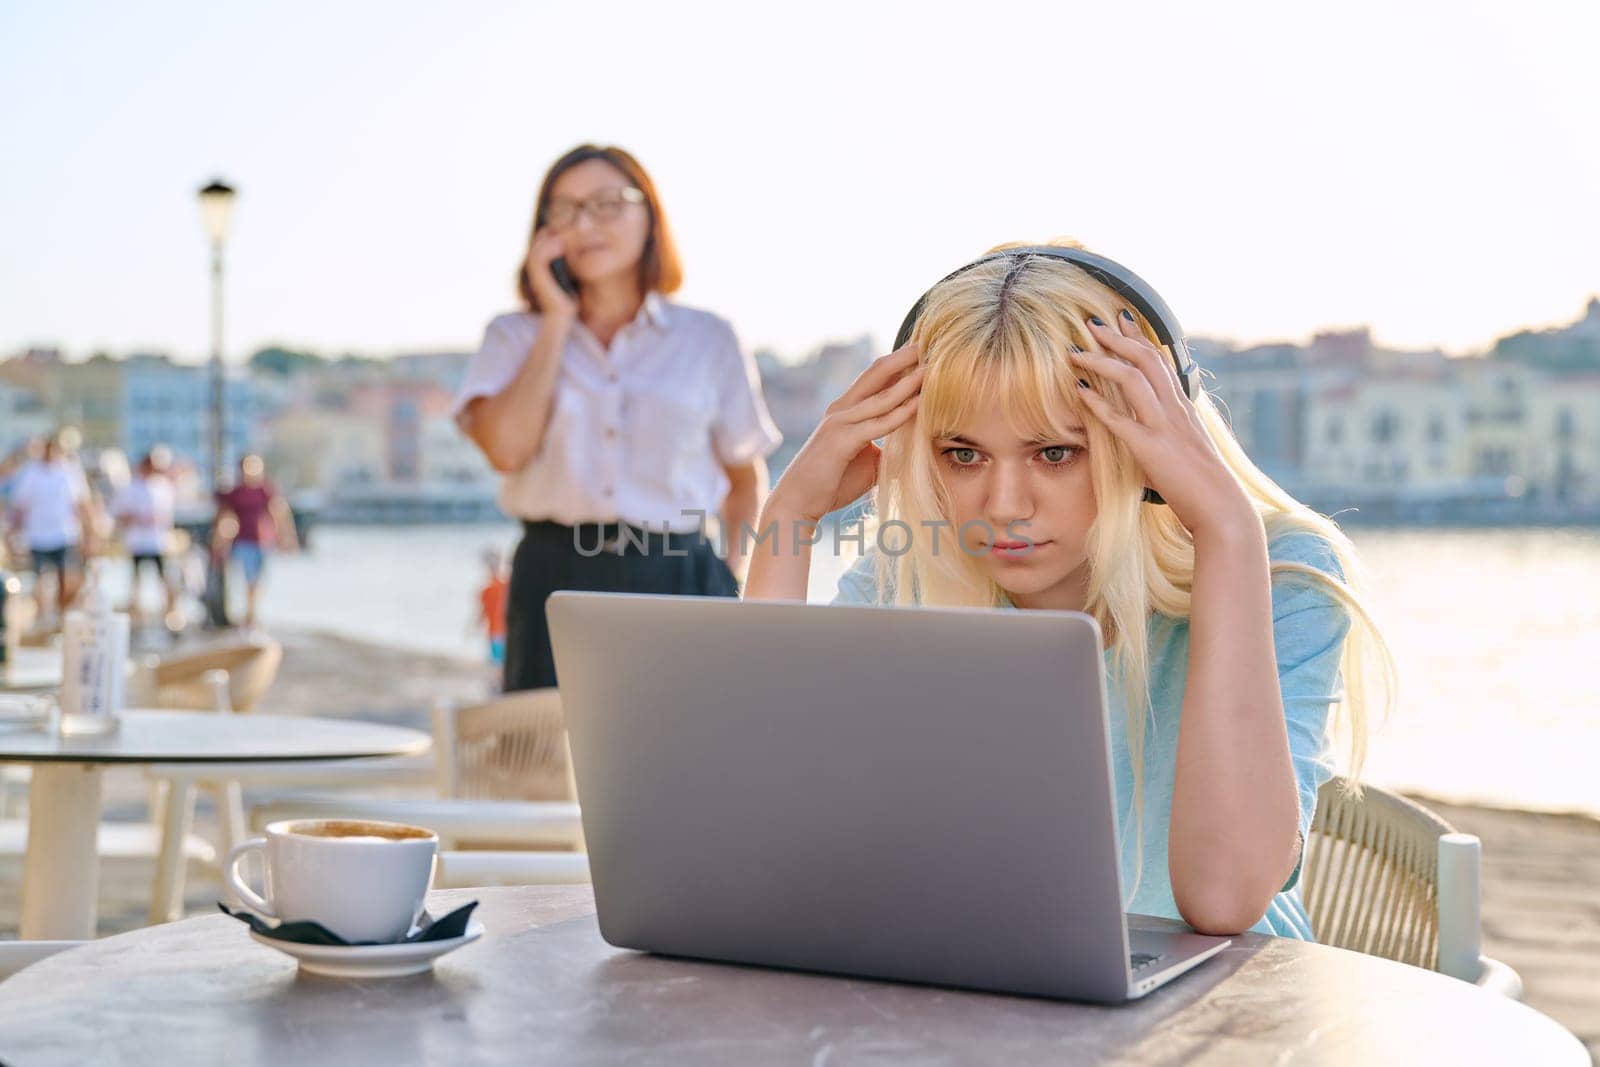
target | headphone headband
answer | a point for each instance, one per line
(1114, 276)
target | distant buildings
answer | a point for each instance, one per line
(798, 392)
(325, 449)
(161, 402)
(1343, 423)
(1340, 422)
(377, 441)
(23, 416)
(128, 404)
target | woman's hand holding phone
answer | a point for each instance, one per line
(543, 250)
(839, 461)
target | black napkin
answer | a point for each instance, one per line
(310, 933)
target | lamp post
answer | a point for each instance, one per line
(216, 212)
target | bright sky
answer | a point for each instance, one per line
(1432, 169)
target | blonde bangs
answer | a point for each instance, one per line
(979, 361)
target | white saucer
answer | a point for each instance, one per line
(371, 961)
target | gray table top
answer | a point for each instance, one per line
(196, 736)
(542, 987)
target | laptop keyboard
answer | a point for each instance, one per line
(1140, 960)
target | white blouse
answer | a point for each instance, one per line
(638, 432)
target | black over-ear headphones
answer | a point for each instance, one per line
(1114, 276)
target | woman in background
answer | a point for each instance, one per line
(619, 419)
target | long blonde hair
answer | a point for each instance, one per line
(995, 334)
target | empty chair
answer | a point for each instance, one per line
(1390, 878)
(222, 679)
(503, 782)
(186, 680)
(510, 748)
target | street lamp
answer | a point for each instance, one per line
(216, 211)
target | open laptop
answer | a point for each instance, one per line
(919, 795)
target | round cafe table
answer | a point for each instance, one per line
(542, 987)
(60, 880)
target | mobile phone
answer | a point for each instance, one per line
(564, 278)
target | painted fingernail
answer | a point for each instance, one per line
(1126, 314)
(1083, 383)
(1097, 320)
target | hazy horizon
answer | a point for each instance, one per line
(786, 355)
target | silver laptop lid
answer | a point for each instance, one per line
(920, 795)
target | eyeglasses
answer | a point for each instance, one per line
(604, 206)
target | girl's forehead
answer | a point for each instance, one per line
(993, 425)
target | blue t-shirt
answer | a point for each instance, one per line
(1308, 630)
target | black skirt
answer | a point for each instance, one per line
(600, 558)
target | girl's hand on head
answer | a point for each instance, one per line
(839, 461)
(1164, 431)
(545, 248)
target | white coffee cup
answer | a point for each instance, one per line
(363, 880)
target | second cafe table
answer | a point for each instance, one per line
(61, 872)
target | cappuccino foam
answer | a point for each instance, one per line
(351, 829)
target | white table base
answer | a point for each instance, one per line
(177, 819)
(61, 877)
